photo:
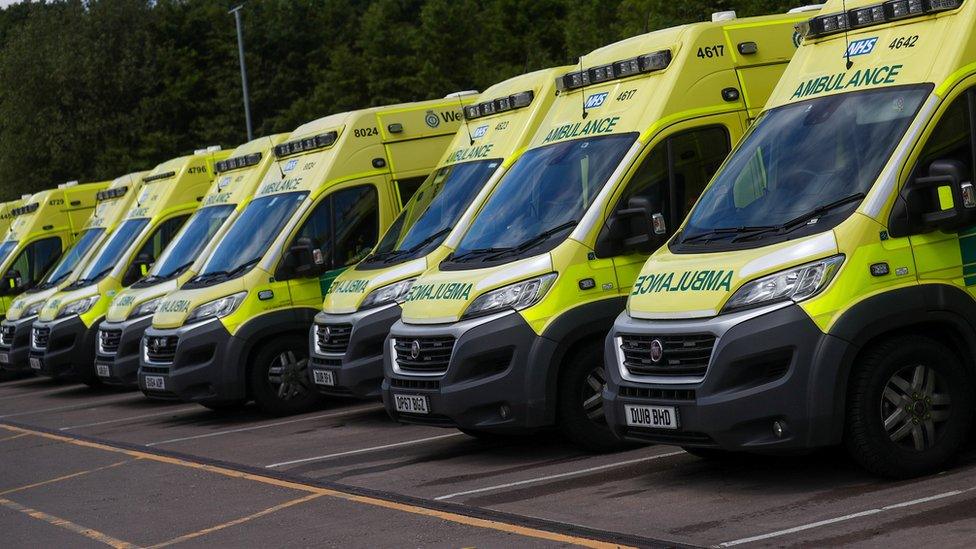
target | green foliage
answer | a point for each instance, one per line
(93, 89)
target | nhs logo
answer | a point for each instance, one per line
(861, 47)
(479, 132)
(290, 165)
(596, 100)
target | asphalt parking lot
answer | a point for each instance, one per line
(83, 467)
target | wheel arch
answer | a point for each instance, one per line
(257, 331)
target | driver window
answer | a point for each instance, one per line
(164, 235)
(35, 260)
(344, 225)
(951, 139)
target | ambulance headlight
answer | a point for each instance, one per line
(388, 294)
(78, 307)
(32, 310)
(518, 296)
(794, 284)
(146, 308)
(218, 308)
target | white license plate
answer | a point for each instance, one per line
(35, 363)
(102, 370)
(5, 358)
(323, 377)
(155, 382)
(411, 404)
(653, 417)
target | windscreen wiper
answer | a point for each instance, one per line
(805, 218)
(535, 240)
(726, 231)
(475, 252)
(419, 246)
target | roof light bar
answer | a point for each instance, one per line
(624, 68)
(29, 208)
(306, 144)
(500, 104)
(109, 194)
(877, 14)
(238, 162)
(158, 176)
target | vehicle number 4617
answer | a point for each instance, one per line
(709, 52)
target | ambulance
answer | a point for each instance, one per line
(346, 342)
(238, 330)
(505, 334)
(130, 312)
(63, 335)
(42, 228)
(112, 205)
(821, 292)
(6, 216)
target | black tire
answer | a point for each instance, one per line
(917, 386)
(299, 396)
(580, 405)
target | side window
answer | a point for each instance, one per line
(752, 183)
(408, 187)
(164, 235)
(357, 224)
(675, 172)
(35, 260)
(952, 138)
(344, 225)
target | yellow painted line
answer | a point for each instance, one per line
(94, 535)
(238, 521)
(12, 437)
(64, 477)
(366, 500)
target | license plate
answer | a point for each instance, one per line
(323, 377)
(653, 417)
(35, 363)
(411, 404)
(5, 358)
(155, 382)
(102, 370)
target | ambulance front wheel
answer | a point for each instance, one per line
(279, 377)
(909, 407)
(580, 406)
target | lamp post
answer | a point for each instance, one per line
(240, 51)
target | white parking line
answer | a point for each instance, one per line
(27, 381)
(364, 450)
(559, 475)
(131, 418)
(86, 405)
(349, 412)
(843, 518)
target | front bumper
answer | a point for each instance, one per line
(198, 370)
(493, 381)
(69, 350)
(356, 369)
(767, 365)
(118, 364)
(15, 344)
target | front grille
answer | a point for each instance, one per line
(40, 336)
(425, 384)
(423, 355)
(657, 394)
(332, 338)
(677, 438)
(667, 356)
(160, 348)
(331, 362)
(108, 341)
(154, 369)
(7, 335)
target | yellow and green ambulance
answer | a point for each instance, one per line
(63, 335)
(346, 343)
(112, 205)
(6, 215)
(822, 289)
(506, 333)
(238, 330)
(130, 312)
(42, 228)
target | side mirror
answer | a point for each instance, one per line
(12, 282)
(139, 268)
(303, 259)
(639, 227)
(943, 200)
